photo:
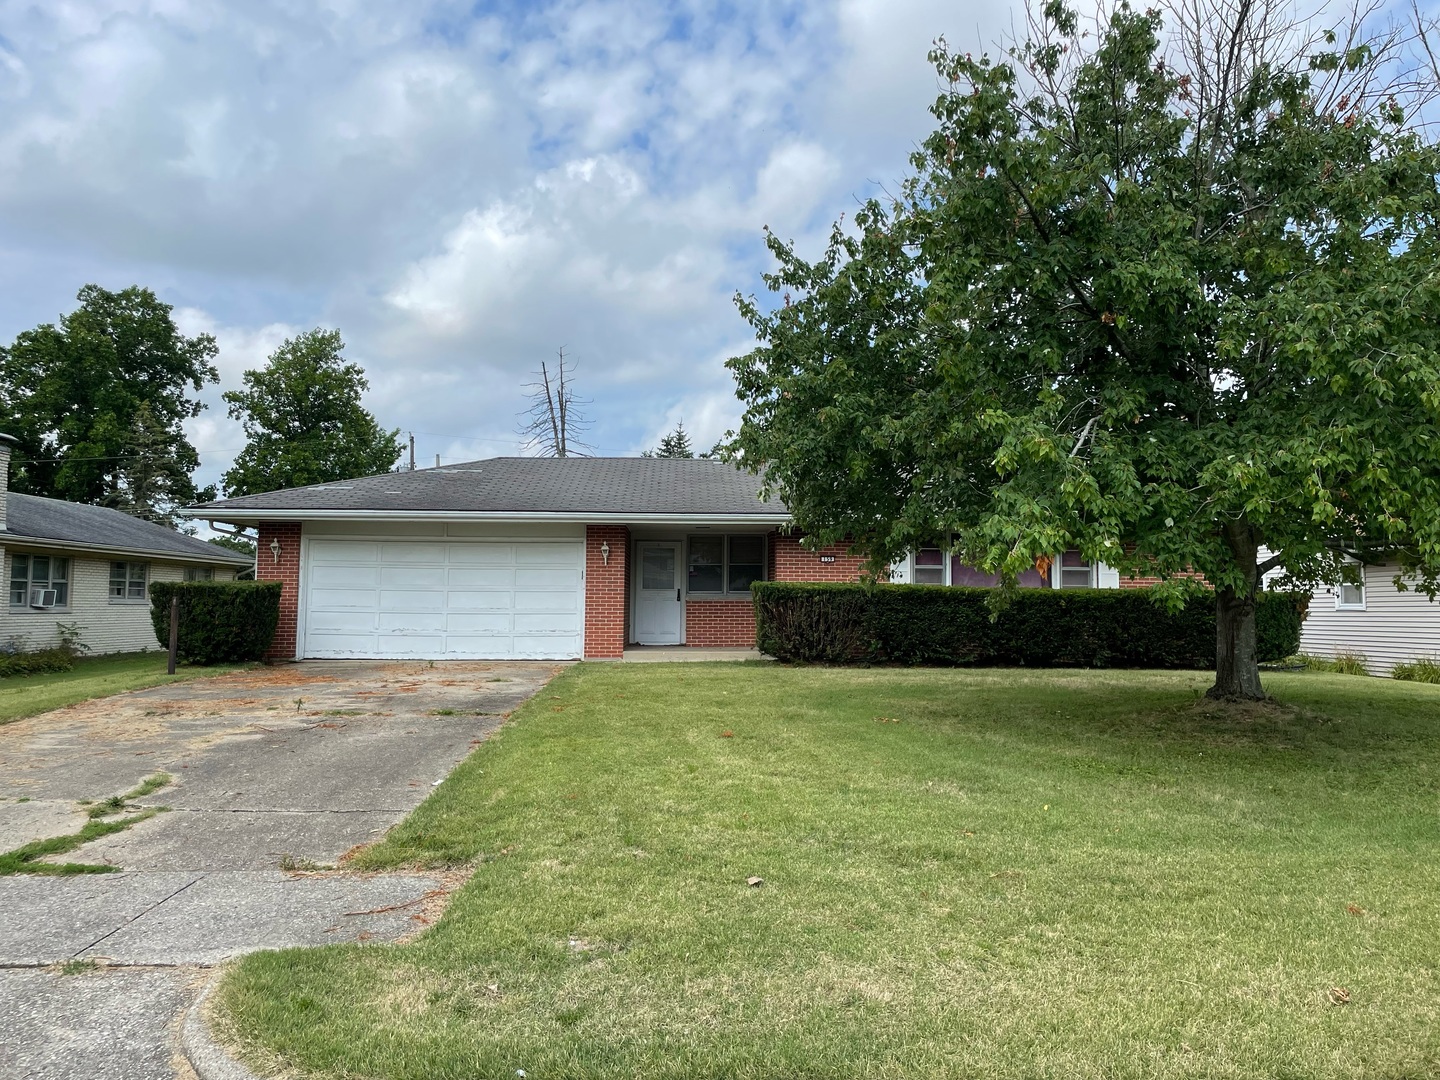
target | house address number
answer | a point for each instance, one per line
(827, 558)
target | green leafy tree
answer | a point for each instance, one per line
(1168, 300)
(242, 543)
(71, 394)
(304, 422)
(151, 479)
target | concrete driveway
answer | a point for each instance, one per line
(277, 774)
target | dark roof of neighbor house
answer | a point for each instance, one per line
(30, 517)
(578, 486)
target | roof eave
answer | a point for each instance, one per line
(221, 556)
(239, 516)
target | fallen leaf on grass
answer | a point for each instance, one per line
(727, 734)
(887, 719)
(754, 882)
(1339, 995)
(1354, 909)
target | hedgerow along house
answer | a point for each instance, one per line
(90, 568)
(545, 558)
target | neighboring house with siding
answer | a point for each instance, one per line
(90, 567)
(1371, 618)
(547, 558)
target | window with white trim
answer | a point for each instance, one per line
(128, 581)
(199, 573)
(1350, 596)
(29, 573)
(1075, 572)
(724, 565)
(929, 565)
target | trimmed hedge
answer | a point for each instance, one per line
(220, 621)
(921, 624)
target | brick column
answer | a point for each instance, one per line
(605, 599)
(285, 570)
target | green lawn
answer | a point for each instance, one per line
(987, 874)
(98, 676)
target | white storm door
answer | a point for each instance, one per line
(659, 608)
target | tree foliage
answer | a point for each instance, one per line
(152, 478)
(304, 421)
(73, 394)
(675, 444)
(1163, 299)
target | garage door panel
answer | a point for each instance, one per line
(468, 600)
(478, 578)
(408, 554)
(335, 575)
(331, 599)
(544, 648)
(532, 600)
(412, 600)
(543, 554)
(402, 577)
(482, 554)
(404, 622)
(546, 624)
(498, 622)
(364, 645)
(431, 600)
(342, 622)
(354, 552)
(527, 577)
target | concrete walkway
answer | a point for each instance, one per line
(669, 654)
(274, 769)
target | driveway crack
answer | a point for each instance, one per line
(136, 918)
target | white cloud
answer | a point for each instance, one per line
(460, 194)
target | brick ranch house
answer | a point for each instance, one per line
(543, 558)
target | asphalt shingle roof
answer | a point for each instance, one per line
(514, 485)
(30, 517)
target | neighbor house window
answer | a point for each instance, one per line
(31, 572)
(199, 573)
(1075, 572)
(1351, 594)
(929, 565)
(724, 565)
(127, 581)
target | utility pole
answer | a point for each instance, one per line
(412, 451)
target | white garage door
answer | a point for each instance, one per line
(465, 600)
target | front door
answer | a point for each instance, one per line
(659, 609)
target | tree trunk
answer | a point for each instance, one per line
(1237, 667)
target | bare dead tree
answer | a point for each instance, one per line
(551, 425)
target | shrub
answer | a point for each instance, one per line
(1423, 670)
(1348, 663)
(917, 624)
(40, 662)
(220, 621)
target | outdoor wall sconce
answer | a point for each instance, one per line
(275, 550)
(605, 552)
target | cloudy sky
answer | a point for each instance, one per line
(461, 189)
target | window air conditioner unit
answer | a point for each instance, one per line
(42, 598)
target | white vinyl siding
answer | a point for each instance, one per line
(472, 599)
(1392, 627)
(104, 626)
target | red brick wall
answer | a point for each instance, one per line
(286, 571)
(720, 624)
(791, 562)
(606, 602)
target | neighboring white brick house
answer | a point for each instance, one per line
(1373, 619)
(90, 567)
